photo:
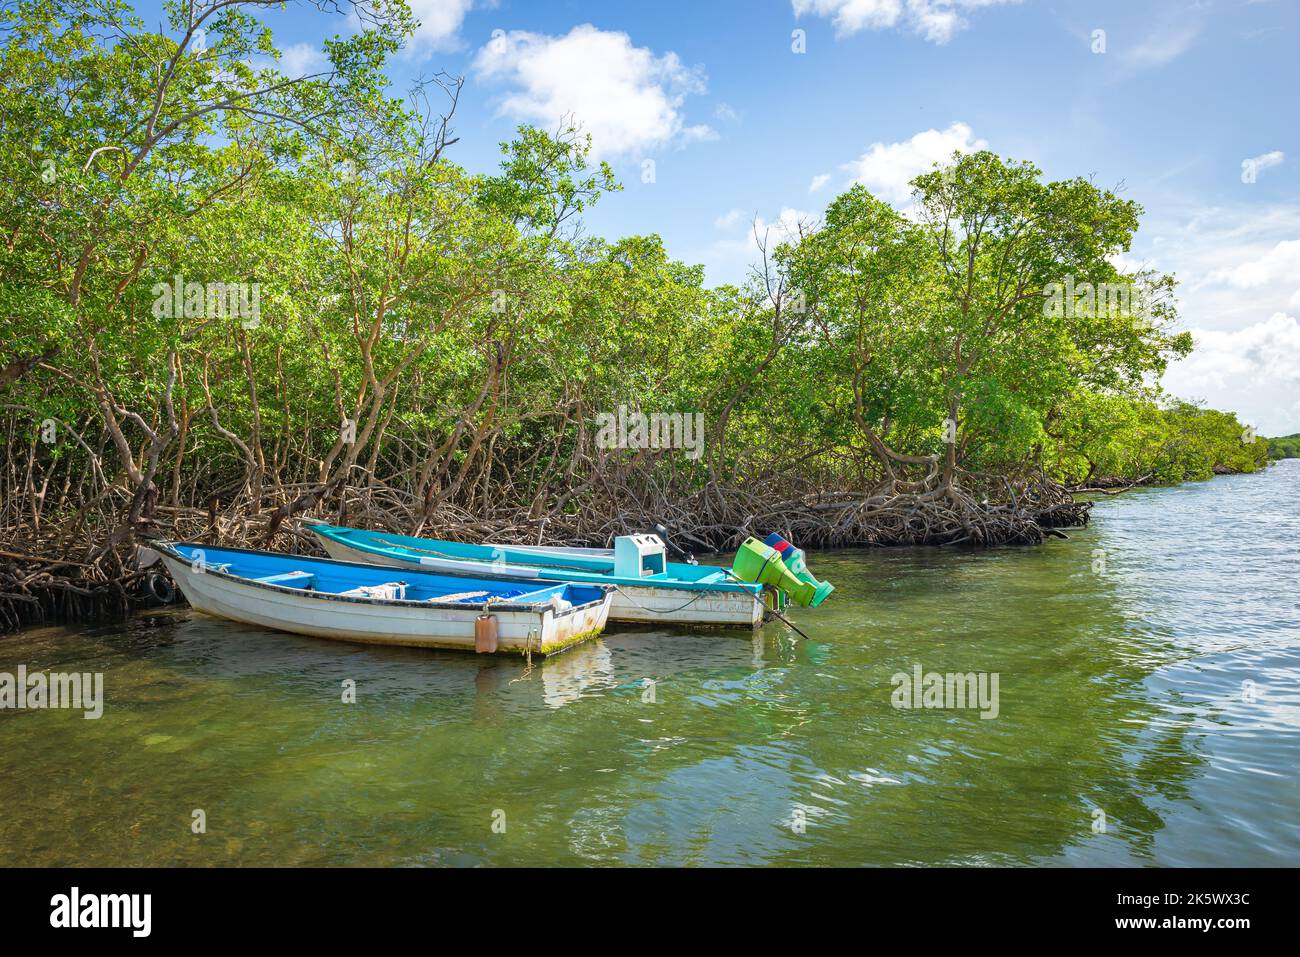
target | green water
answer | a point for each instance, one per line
(1162, 690)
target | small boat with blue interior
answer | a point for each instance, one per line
(648, 587)
(373, 604)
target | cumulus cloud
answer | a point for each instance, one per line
(935, 20)
(850, 16)
(1279, 264)
(1254, 371)
(302, 59)
(626, 97)
(440, 22)
(1266, 350)
(1236, 265)
(787, 225)
(887, 168)
(728, 258)
(728, 219)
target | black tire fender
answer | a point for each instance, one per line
(160, 586)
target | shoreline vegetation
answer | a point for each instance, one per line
(233, 298)
(1284, 447)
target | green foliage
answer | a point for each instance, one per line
(468, 332)
(948, 316)
(1284, 447)
(1110, 438)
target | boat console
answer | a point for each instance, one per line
(639, 556)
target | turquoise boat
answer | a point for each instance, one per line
(647, 587)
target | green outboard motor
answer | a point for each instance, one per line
(794, 560)
(756, 562)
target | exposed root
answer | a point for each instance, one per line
(86, 566)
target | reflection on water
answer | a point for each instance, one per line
(1148, 672)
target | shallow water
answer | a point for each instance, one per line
(1148, 681)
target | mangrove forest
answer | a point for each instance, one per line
(233, 297)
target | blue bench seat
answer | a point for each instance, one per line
(292, 579)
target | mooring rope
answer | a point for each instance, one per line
(528, 653)
(654, 611)
(773, 611)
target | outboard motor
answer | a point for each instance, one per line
(756, 562)
(673, 549)
(759, 562)
(794, 560)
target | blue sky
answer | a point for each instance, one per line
(1168, 102)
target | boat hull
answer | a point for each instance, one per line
(410, 624)
(643, 604)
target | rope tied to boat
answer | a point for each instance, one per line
(797, 630)
(528, 654)
(655, 611)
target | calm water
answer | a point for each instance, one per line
(1156, 682)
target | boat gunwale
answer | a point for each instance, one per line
(406, 555)
(169, 549)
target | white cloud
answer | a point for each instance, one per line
(1235, 264)
(787, 224)
(935, 20)
(1254, 371)
(1265, 350)
(725, 111)
(438, 24)
(728, 219)
(1279, 264)
(850, 16)
(887, 168)
(728, 259)
(626, 97)
(1264, 161)
(440, 21)
(302, 59)
(818, 181)
(1164, 45)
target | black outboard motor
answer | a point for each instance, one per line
(673, 549)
